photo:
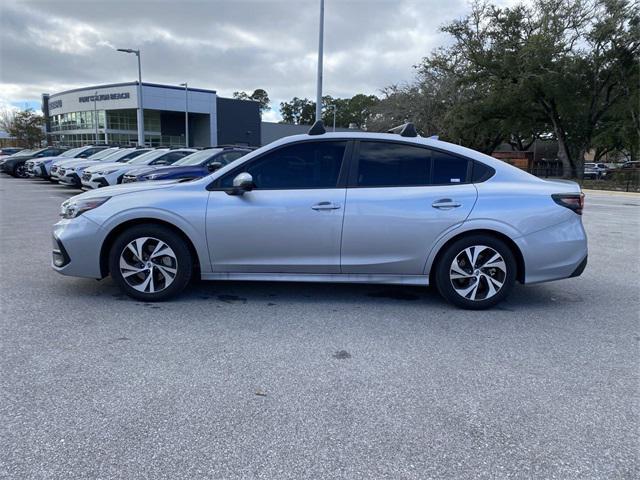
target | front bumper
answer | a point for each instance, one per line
(70, 179)
(94, 182)
(76, 247)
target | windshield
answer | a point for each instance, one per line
(102, 153)
(71, 153)
(198, 157)
(148, 157)
(116, 156)
(22, 153)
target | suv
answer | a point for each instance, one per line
(41, 167)
(70, 173)
(196, 165)
(111, 173)
(594, 170)
(358, 207)
(15, 165)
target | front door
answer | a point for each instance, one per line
(403, 197)
(291, 222)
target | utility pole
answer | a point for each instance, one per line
(95, 114)
(140, 110)
(186, 112)
(320, 53)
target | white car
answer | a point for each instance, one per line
(111, 173)
(41, 167)
(54, 174)
(69, 173)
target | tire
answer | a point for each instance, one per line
(150, 279)
(20, 171)
(487, 283)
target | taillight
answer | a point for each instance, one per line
(572, 201)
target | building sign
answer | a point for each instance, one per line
(103, 97)
(55, 104)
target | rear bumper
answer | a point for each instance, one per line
(554, 253)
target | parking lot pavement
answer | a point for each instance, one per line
(271, 380)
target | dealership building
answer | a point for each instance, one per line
(108, 114)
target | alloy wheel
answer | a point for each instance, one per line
(21, 171)
(148, 265)
(478, 273)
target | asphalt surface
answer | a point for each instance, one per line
(280, 380)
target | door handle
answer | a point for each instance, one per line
(326, 206)
(445, 204)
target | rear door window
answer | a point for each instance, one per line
(384, 164)
(449, 169)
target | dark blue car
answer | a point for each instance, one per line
(196, 165)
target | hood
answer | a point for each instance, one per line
(79, 163)
(125, 188)
(99, 166)
(168, 169)
(46, 159)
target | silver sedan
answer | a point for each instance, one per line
(388, 208)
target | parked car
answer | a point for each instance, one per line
(196, 165)
(333, 207)
(594, 170)
(15, 165)
(7, 151)
(70, 173)
(630, 165)
(112, 173)
(97, 156)
(41, 167)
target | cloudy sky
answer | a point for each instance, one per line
(225, 45)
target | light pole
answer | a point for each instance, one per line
(95, 114)
(334, 116)
(140, 111)
(320, 48)
(186, 112)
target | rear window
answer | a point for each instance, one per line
(449, 169)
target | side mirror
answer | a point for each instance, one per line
(213, 166)
(243, 182)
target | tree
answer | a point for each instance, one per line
(355, 110)
(300, 111)
(559, 66)
(259, 95)
(25, 126)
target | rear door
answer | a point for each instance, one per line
(401, 198)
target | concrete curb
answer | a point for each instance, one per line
(612, 192)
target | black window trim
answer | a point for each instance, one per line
(355, 165)
(347, 158)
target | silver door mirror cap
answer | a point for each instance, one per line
(243, 182)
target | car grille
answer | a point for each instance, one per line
(61, 172)
(86, 176)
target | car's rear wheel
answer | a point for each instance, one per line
(150, 262)
(476, 272)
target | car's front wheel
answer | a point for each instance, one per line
(150, 262)
(20, 171)
(476, 272)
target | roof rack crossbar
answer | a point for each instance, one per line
(405, 130)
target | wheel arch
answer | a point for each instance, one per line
(118, 229)
(517, 253)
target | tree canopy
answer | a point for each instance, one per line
(25, 126)
(561, 68)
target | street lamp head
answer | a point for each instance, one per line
(128, 50)
(183, 84)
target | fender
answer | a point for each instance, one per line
(468, 226)
(194, 233)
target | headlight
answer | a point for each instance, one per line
(153, 176)
(73, 208)
(108, 172)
